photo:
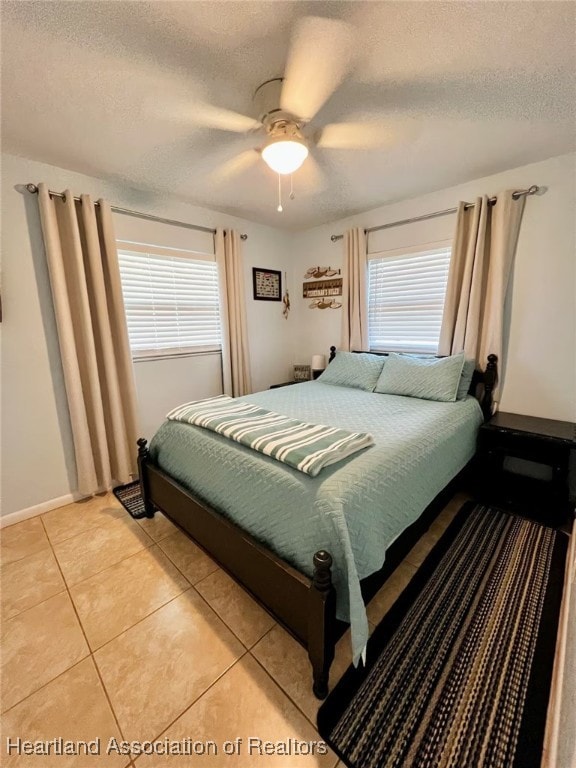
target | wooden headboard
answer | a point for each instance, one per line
(482, 385)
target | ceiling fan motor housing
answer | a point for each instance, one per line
(267, 105)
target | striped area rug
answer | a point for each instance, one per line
(131, 499)
(459, 670)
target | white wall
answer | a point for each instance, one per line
(540, 376)
(540, 372)
(37, 463)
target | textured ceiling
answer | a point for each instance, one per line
(115, 90)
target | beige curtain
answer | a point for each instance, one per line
(96, 360)
(482, 257)
(354, 292)
(235, 350)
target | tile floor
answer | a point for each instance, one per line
(117, 629)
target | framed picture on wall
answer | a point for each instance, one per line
(302, 373)
(267, 284)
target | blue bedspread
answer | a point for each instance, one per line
(354, 509)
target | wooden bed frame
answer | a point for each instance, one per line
(305, 607)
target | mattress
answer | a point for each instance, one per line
(354, 509)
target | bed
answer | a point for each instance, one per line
(314, 550)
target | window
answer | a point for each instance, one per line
(406, 299)
(171, 299)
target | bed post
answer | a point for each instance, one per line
(321, 619)
(143, 473)
(332, 354)
(490, 379)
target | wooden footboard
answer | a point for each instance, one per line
(305, 607)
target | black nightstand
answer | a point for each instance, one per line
(284, 384)
(545, 442)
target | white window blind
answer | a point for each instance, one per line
(171, 301)
(406, 300)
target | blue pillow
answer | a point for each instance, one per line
(466, 378)
(350, 369)
(426, 378)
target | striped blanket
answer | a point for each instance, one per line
(306, 447)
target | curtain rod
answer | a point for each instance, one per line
(33, 189)
(518, 193)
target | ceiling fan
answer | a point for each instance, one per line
(319, 58)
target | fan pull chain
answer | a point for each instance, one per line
(279, 209)
(292, 195)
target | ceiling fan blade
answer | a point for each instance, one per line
(319, 58)
(366, 135)
(312, 176)
(235, 166)
(222, 119)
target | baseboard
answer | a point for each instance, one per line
(38, 509)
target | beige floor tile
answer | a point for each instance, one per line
(156, 669)
(244, 704)
(460, 497)
(73, 707)
(455, 504)
(157, 527)
(288, 664)
(22, 539)
(438, 527)
(448, 513)
(29, 581)
(113, 600)
(189, 558)
(420, 550)
(93, 551)
(38, 645)
(68, 521)
(383, 599)
(235, 607)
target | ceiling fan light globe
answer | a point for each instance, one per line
(285, 157)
